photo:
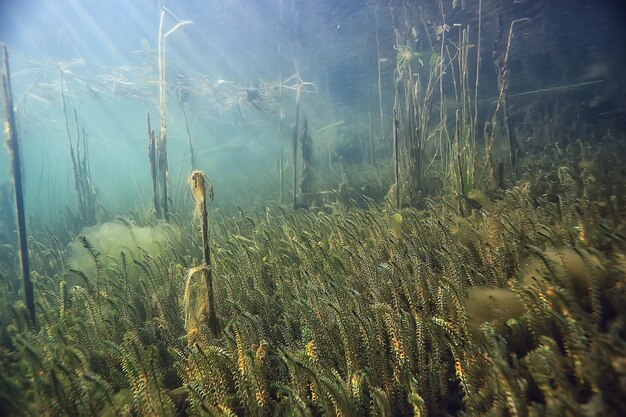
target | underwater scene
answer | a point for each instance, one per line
(313, 208)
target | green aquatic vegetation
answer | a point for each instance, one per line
(105, 242)
(342, 311)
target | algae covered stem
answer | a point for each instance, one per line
(16, 164)
(161, 144)
(202, 190)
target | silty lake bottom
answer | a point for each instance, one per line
(313, 208)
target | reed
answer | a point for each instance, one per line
(202, 191)
(296, 133)
(501, 61)
(279, 133)
(395, 190)
(306, 174)
(161, 142)
(416, 85)
(299, 87)
(13, 145)
(463, 156)
(192, 151)
(379, 78)
(83, 184)
(153, 167)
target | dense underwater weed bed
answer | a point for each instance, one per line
(514, 309)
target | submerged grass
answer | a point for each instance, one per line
(514, 309)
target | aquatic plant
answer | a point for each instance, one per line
(422, 136)
(13, 145)
(501, 61)
(463, 174)
(204, 295)
(471, 302)
(306, 174)
(81, 171)
(158, 145)
(369, 311)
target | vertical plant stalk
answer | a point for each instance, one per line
(85, 168)
(459, 163)
(490, 162)
(280, 135)
(86, 194)
(198, 182)
(76, 175)
(396, 156)
(465, 133)
(192, 152)
(281, 165)
(294, 147)
(480, 21)
(462, 159)
(296, 133)
(371, 141)
(13, 147)
(503, 96)
(161, 145)
(415, 94)
(306, 178)
(153, 167)
(380, 88)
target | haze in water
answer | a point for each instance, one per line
(313, 207)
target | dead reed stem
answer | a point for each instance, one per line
(371, 141)
(380, 88)
(192, 151)
(16, 164)
(86, 194)
(280, 135)
(396, 156)
(306, 145)
(296, 133)
(198, 182)
(153, 167)
(502, 66)
(161, 144)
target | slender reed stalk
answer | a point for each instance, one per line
(161, 144)
(202, 190)
(153, 167)
(480, 21)
(371, 141)
(396, 157)
(502, 66)
(416, 89)
(459, 162)
(280, 137)
(306, 177)
(296, 133)
(13, 146)
(192, 152)
(83, 185)
(380, 88)
(72, 153)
